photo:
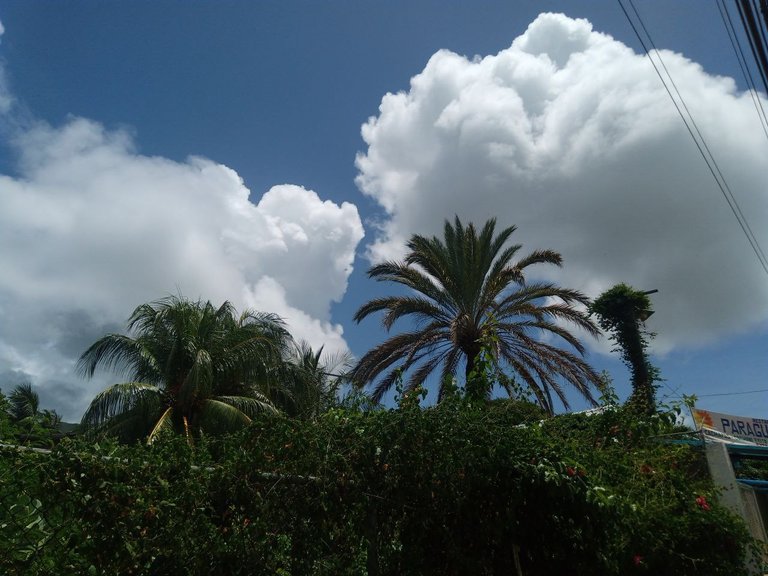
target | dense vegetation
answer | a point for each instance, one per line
(453, 489)
(194, 368)
(22, 422)
(228, 449)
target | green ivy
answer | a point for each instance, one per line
(460, 488)
(621, 311)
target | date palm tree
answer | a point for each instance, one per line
(190, 367)
(467, 294)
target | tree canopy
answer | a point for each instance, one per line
(468, 292)
(190, 367)
(313, 381)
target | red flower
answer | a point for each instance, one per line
(570, 471)
(637, 559)
(701, 501)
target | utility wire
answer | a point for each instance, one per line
(732, 393)
(672, 392)
(763, 39)
(746, 72)
(727, 188)
(754, 33)
(724, 188)
(700, 141)
(723, 394)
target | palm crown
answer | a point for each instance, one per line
(468, 292)
(190, 366)
(313, 382)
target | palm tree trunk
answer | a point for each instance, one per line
(475, 384)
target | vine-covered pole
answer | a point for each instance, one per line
(622, 311)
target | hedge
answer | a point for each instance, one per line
(452, 490)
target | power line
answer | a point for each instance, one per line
(721, 181)
(699, 141)
(732, 393)
(743, 392)
(729, 195)
(756, 37)
(672, 392)
(746, 72)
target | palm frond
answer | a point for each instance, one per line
(118, 353)
(468, 287)
(312, 381)
(405, 274)
(199, 379)
(217, 416)
(24, 402)
(164, 423)
(119, 399)
(249, 405)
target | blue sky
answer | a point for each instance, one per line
(107, 102)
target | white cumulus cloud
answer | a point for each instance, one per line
(90, 228)
(570, 135)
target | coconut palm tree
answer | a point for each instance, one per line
(190, 367)
(468, 294)
(313, 381)
(24, 403)
(32, 425)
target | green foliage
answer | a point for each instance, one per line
(191, 367)
(312, 382)
(7, 429)
(453, 489)
(674, 525)
(23, 530)
(608, 396)
(483, 373)
(23, 423)
(752, 469)
(620, 311)
(465, 290)
(24, 402)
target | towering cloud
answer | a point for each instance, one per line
(570, 135)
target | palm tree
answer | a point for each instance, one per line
(468, 294)
(32, 425)
(191, 368)
(24, 403)
(313, 381)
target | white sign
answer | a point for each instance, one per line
(744, 428)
